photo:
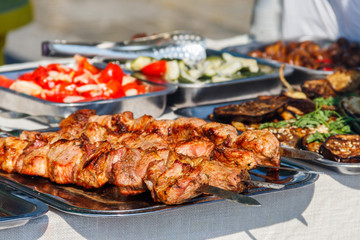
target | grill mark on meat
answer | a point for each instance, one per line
(64, 158)
(11, 149)
(195, 148)
(33, 161)
(218, 132)
(124, 171)
(96, 169)
(263, 144)
(239, 158)
(179, 182)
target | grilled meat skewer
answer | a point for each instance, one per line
(171, 158)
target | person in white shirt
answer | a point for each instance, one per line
(291, 19)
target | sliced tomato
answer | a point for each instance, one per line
(26, 76)
(61, 91)
(91, 68)
(156, 69)
(115, 89)
(134, 85)
(39, 75)
(111, 72)
(83, 64)
(5, 82)
(141, 89)
(54, 67)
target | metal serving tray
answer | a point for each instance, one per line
(242, 88)
(153, 103)
(205, 110)
(16, 208)
(107, 201)
(299, 71)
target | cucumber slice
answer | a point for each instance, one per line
(185, 77)
(246, 62)
(172, 71)
(229, 68)
(140, 62)
(194, 73)
(211, 65)
(128, 65)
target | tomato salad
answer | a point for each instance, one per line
(85, 82)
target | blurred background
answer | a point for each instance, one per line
(116, 20)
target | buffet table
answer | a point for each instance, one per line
(327, 209)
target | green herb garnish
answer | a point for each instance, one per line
(330, 101)
(275, 124)
(315, 119)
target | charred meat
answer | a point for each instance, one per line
(170, 158)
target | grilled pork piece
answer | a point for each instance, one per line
(171, 158)
(75, 123)
(342, 148)
(263, 144)
(10, 150)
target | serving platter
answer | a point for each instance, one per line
(154, 101)
(236, 89)
(245, 49)
(107, 202)
(192, 94)
(17, 208)
(205, 110)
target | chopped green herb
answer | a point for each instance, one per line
(330, 101)
(315, 119)
(275, 124)
(316, 137)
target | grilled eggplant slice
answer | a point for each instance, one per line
(350, 107)
(342, 148)
(305, 105)
(259, 110)
(318, 88)
(313, 146)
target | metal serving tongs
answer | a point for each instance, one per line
(186, 45)
(300, 154)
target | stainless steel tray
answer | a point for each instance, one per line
(242, 88)
(153, 103)
(205, 110)
(107, 201)
(304, 72)
(16, 208)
